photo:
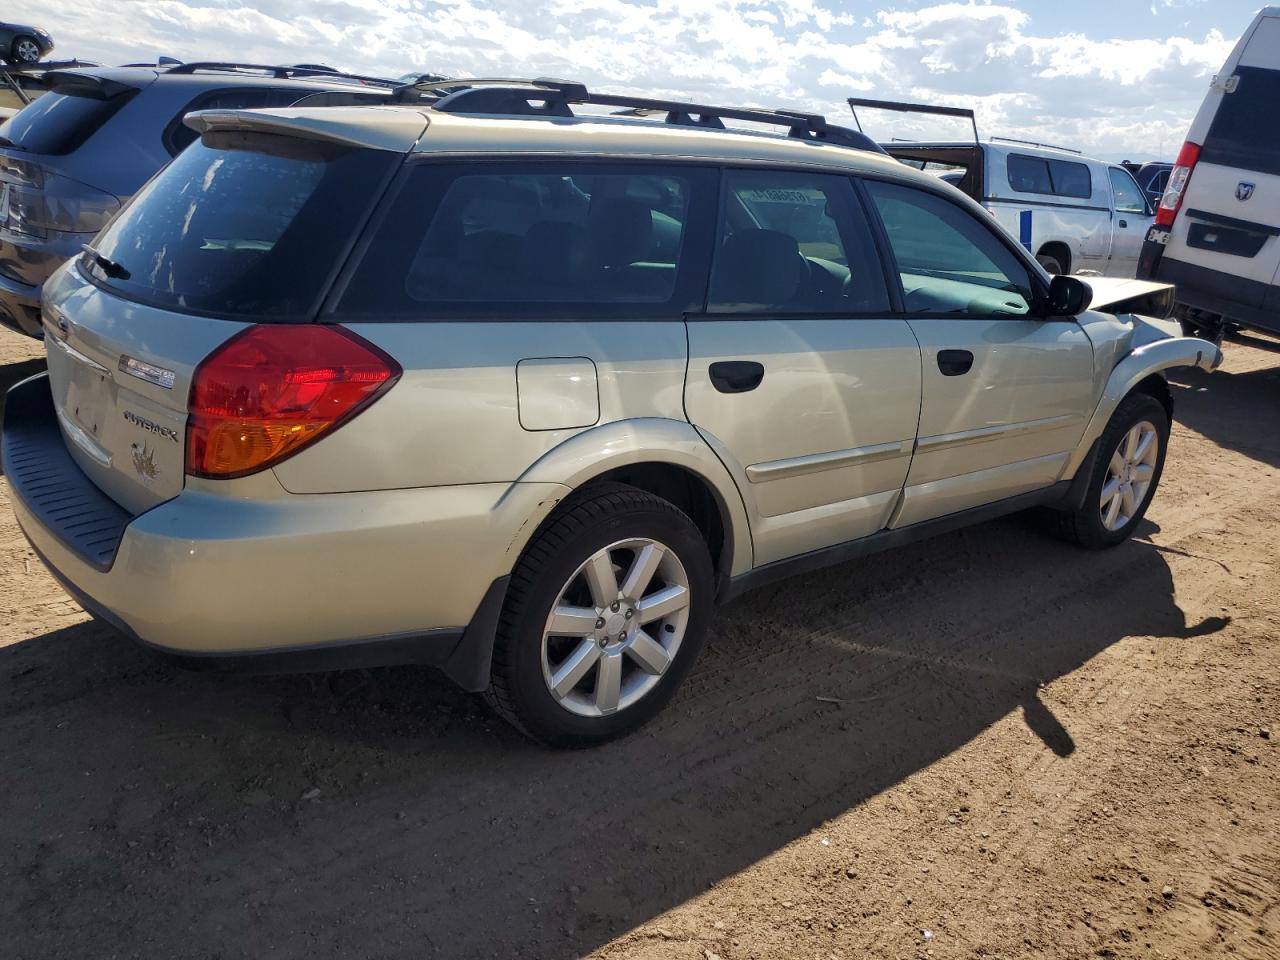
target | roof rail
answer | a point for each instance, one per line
(547, 97)
(281, 72)
(899, 107)
(1034, 143)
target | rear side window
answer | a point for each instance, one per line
(1239, 135)
(56, 124)
(178, 136)
(794, 243)
(525, 239)
(1058, 178)
(1128, 197)
(243, 226)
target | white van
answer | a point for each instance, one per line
(1217, 230)
(1074, 214)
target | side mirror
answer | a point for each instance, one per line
(1068, 296)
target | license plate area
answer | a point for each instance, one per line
(88, 396)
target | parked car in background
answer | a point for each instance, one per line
(1152, 177)
(20, 43)
(1217, 230)
(71, 158)
(1074, 214)
(519, 391)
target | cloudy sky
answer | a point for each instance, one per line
(1117, 78)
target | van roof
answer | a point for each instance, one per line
(1004, 146)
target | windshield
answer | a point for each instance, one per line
(242, 225)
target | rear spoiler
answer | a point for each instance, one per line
(83, 84)
(390, 128)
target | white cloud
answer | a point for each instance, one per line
(1107, 96)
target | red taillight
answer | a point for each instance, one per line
(270, 390)
(1177, 185)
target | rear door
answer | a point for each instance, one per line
(800, 376)
(1229, 221)
(1005, 393)
(1131, 219)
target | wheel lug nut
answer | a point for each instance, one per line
(604, 641)
(599, 623)
(630, 614)
(614, 606)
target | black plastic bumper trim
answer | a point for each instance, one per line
(45, 478)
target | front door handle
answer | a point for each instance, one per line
(736, 376)
(954, 363)
(1124, 223)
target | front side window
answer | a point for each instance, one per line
(1128, 196)
(242, 225)
(794, 243)
(950, 263)
(532, 238)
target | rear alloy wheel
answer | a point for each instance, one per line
(605, 614)
(25, 50)
(1125, 475)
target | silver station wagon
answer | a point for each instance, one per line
(495, 381)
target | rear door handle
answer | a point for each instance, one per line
(736, 376)
(954, 363)
(1124, 223)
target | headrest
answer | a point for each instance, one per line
(553, 252)
(621, 231)
(762, 267)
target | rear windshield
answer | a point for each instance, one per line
(246, 226)
(1240, 136)
(57, 123)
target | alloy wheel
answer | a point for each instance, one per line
(27, 51)
(615, 627)
(1129, 475)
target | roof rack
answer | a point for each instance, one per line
(901, 107)
(545, 97)
(281, 72)
(1035, 143)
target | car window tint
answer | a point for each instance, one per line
(1070, 179)
(1238, 136)
(1128, 196)
(242, 225)
(536, 238)
(1029, 174)
(794, 243)
(950, 262)
(58, 123)
(178, 135)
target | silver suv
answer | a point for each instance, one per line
(499, 385)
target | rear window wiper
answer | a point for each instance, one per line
(108, 266)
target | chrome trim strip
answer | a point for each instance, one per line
(998, 432)
(817, 462)
(89, 362)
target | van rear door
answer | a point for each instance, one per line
(1229, 221)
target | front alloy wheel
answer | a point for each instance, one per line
(26, 50)
(1129, 473)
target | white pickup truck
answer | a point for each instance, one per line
(1075, 214)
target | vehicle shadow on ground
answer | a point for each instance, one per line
(1235, 410)
(383, 813)
(11, 373)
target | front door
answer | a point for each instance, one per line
(1131, 220)
(799, 376)
(1005, 394)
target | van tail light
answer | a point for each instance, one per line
(271, 390)
(1177, 186)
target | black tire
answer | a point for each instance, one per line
(597, 517)
(1085, 526)
(1050, 264)
(15, 57)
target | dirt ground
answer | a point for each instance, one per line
(1037, 752)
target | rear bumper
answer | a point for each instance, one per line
(289, 581)
(20, 307)
(1246, 302)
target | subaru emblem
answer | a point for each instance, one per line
(1244, 190)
